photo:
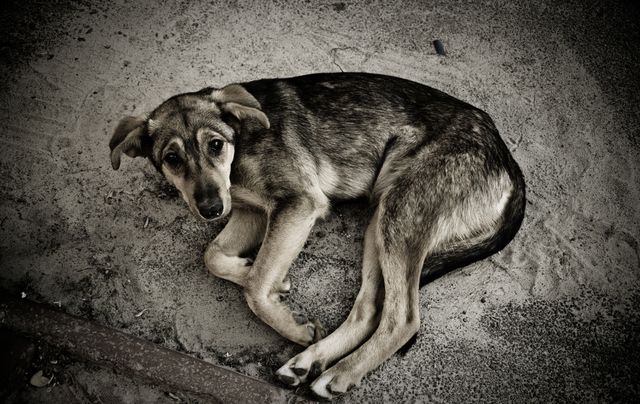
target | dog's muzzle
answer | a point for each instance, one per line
(211, 208)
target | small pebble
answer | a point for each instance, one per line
(439, 47)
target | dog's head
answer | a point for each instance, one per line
(190, 139)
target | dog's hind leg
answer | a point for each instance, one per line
(399, 320)
(441, 198)
(359, 325)
(243, 233)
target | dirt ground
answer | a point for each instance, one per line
(551, 318)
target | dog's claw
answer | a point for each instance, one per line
(284, 288)
(319, 331)
(300, 318)
(312, 331)
(315, 330)
(286, 285)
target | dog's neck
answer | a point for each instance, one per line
(246, 184)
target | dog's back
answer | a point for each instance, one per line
(347, 126)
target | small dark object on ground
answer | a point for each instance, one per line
(439, 47)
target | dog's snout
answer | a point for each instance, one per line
(211, 208)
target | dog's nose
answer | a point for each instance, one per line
(210, 208)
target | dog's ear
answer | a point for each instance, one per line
(237, 101)
(130, 138)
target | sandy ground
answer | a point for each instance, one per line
(553, 317)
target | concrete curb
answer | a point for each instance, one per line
(161, 366)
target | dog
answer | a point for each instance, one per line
(275, 153)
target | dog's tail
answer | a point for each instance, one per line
(443, 262)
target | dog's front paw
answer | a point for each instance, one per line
(332, 383)
(315, 329)
(234, 269)
(306, 332)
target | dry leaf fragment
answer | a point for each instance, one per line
(40, 380)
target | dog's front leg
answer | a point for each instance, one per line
(287, 229)
(244, 232)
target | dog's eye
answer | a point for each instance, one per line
(215, 146)
(172, 159)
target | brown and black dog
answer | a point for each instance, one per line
(275, 153)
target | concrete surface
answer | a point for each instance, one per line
(72, 381)
(78, 382)
(91, 342)
(551, 318)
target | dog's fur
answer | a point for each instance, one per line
(443, 185)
